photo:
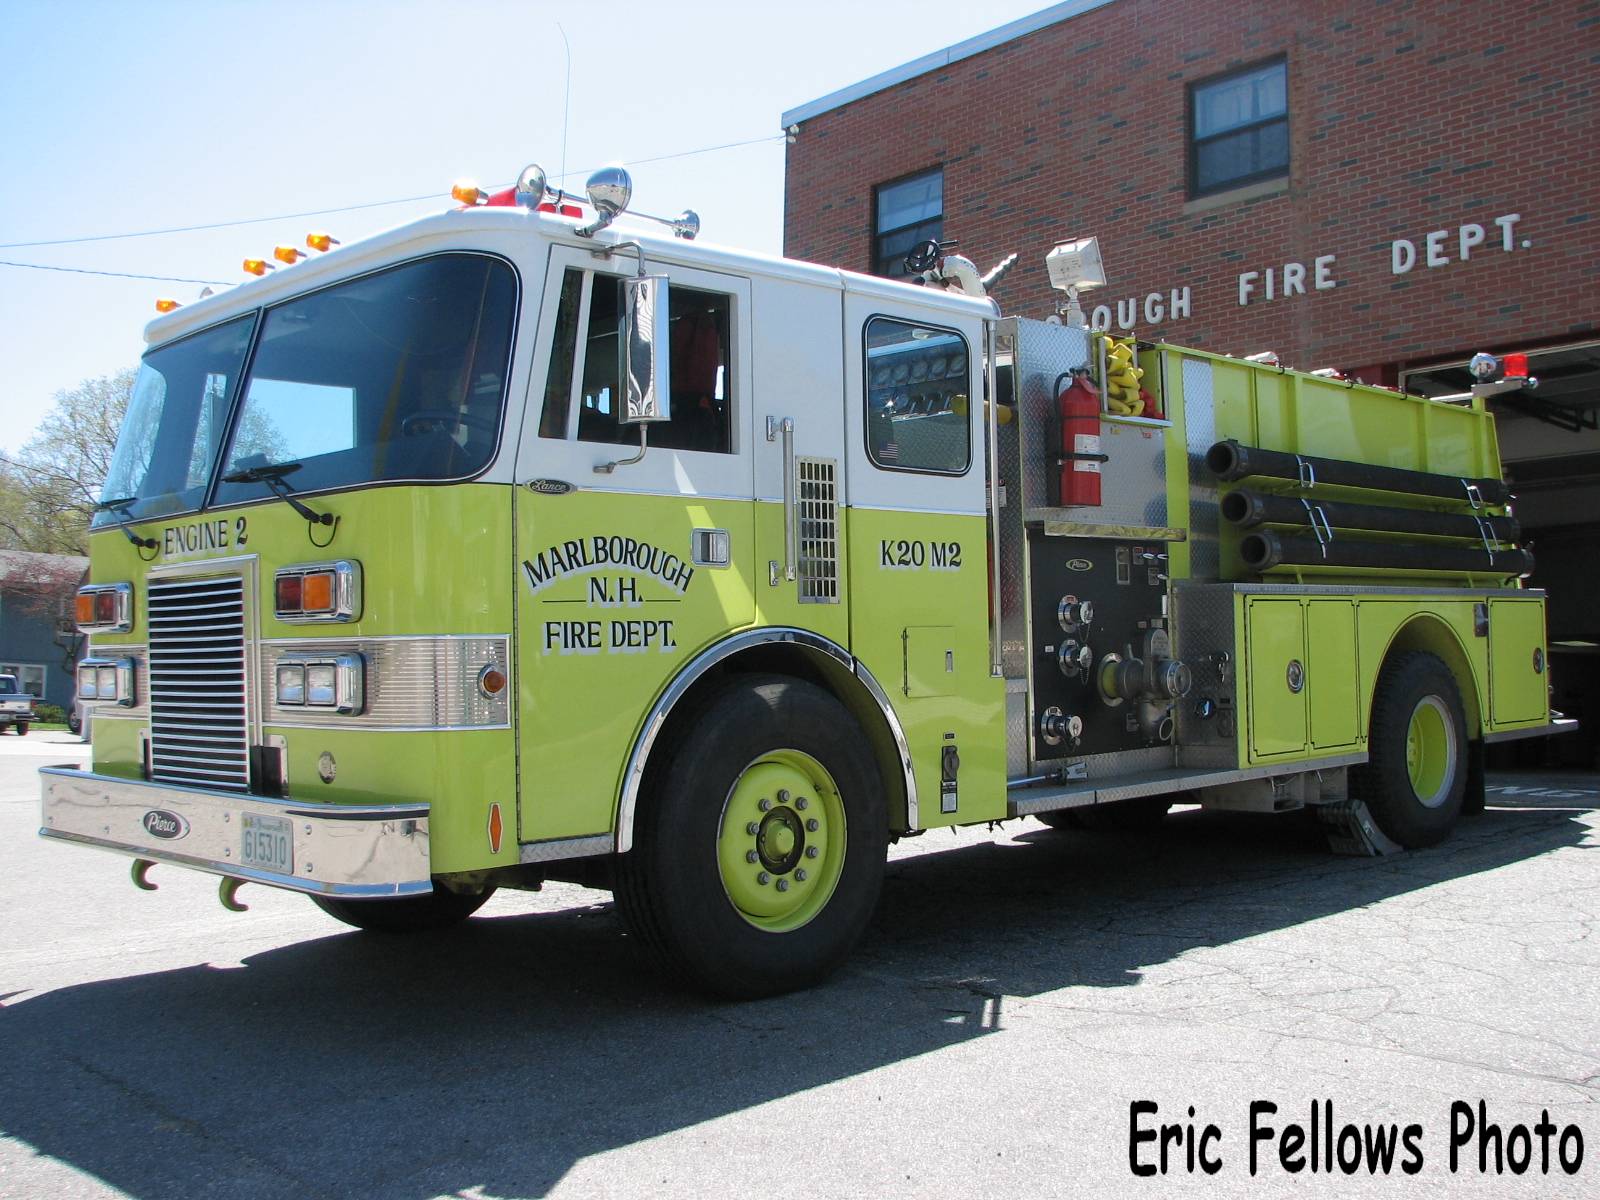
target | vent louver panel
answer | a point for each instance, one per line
(198, 732)
(819, 531)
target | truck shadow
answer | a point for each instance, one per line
(498, 1057)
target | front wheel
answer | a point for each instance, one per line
(438, 909)
(22, 729)
(1415, 778)
(759, 847)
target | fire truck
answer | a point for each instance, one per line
(539, 540)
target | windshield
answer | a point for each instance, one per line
(169, 439)
(398, 375)
(8, 685)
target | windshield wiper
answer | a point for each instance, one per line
(272, 476)
(120, 506)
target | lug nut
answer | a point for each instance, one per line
(801, 803)
(763, 879)
(813, 825)
(783, 795)
(752, 828)
(765, 804)
(750, 856)
(783, 885)
(812, 852)
(800, 874)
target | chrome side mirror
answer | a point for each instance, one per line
(646, 363)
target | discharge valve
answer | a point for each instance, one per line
(1152, 680)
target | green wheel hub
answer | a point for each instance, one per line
(1430, 752)
(781, 843)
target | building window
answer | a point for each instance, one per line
(1239, 128)
(917, 388)
(908, 211)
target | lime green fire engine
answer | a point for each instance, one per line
(523, 543)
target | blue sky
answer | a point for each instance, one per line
(118, 117)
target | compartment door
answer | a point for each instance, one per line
(1518, 680)
(1276, 676)
(1332, 673)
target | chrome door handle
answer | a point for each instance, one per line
(785, 427)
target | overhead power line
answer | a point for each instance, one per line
(113, 274)
(325, 212)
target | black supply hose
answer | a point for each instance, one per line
(1229, 461)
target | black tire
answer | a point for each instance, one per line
(1407, 685)
(1124, 816)
(670, 887)
(439, 909)
(74, 724)
(22, 729)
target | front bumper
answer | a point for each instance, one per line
(354, 851)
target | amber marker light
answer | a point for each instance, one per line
(316, 592)
(84, 608)
(288, 254)
(322, 241)
(491, 681)
(166, 306)
(258, 266)
(467, 192)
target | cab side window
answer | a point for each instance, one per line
(916, 393)
(701, 359)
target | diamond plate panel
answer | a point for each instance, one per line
(1199, 434)
(1203, 637)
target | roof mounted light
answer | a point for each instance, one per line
(322, 241)
(258, 266)
(166, 306)
(288, 254)
(610, 189)
(531, 186)
(468, 193)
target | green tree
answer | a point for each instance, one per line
(48, 490)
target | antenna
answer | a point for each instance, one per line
(566, 105)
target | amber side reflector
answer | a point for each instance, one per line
(166, 306)
(496, 828)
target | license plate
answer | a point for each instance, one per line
(268, 843)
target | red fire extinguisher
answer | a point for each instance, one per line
(1078, 406)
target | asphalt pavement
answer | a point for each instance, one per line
(1019, 992)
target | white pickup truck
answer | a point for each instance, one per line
(16, 706)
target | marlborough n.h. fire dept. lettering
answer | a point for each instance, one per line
(602, 552)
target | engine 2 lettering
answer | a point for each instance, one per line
(903, 555)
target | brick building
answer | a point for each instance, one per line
(1383, 187)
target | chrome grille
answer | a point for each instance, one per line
(198, 732)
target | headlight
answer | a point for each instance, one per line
(107, 679)
(336, 684)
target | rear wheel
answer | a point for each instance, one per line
(759, 847)
(1415, 777)
(22, 729)
(439, 909)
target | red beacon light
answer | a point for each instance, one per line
(1515, 366)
